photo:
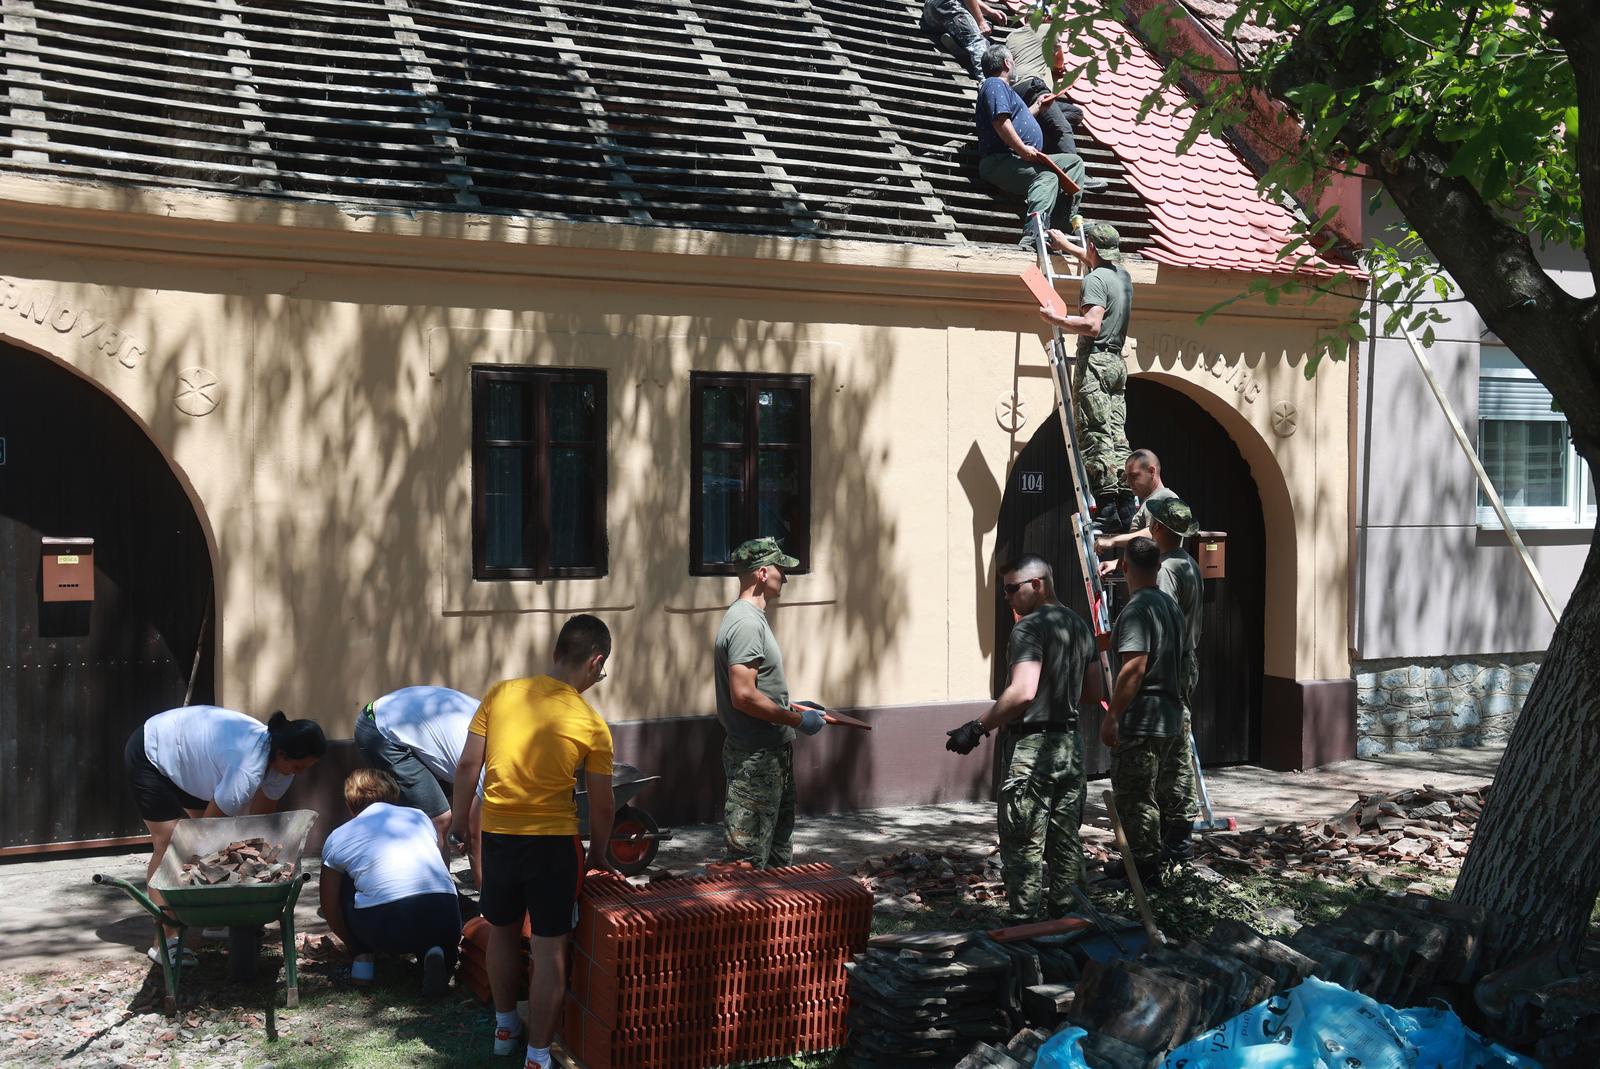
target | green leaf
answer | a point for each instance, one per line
(1344, 14)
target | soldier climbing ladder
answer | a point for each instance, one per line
(1061, 365)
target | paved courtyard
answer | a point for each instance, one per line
(52, 911)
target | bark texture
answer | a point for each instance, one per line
(1535, 860)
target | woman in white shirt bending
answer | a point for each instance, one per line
(385, 888)
(201, 760)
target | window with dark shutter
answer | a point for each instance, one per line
(752, 466)
(538, 473)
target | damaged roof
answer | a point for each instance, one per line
(810, 118)
(806, 117)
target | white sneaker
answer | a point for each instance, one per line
(186, 958)
(506, 1041)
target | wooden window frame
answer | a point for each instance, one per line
(752, 384)
(536, 499)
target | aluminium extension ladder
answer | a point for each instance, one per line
(1061, 367)
(1062, 364)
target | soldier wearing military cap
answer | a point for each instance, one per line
(1100, 390)
(753, 705)
(1143, 724)
(1172, 521)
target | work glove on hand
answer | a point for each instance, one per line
(811, 720)
(965, 739)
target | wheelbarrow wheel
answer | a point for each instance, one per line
(634, 841)
(244, 952)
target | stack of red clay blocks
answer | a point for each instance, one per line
(708, 971)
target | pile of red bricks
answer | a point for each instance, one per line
(706, 971)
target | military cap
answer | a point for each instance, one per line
(1106, 241)
(759, 552)
(1173, 514)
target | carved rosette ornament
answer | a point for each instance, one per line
(1011, 412)
(199, 391)
(1285, 418)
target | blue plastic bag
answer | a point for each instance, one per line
(1319, 1025)
(1061, 1051)
(1316, 1025)
(1443, 1042)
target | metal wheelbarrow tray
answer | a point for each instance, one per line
(241, 908)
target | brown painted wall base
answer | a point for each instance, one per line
(1307, 723)
(901, 761)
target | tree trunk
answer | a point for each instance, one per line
(1534, 863)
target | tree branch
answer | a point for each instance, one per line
(1495, 266)
(1576, 25)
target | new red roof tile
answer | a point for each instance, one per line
(1204, 203)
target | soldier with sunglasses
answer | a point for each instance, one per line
(1051, 654)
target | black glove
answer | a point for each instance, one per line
(965, 739)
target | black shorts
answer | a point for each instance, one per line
(537, 874)
(158, 798)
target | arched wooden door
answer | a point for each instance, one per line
(77, 677)
(1201, 463)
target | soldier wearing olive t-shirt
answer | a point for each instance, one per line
(1144, 723)
(1101, 380)
(753, 705)
(1053, 674)
(1171, 522)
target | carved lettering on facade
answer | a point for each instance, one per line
(1239, 376)
(68, 319)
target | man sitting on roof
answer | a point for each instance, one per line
(1035, 74)
(961, 28)
(1011, 147)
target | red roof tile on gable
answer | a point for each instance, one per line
(1204, 203)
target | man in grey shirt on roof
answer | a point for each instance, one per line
(753, 705)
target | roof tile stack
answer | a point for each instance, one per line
(706, 971)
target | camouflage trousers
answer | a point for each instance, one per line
(1144, 780)
(759, 813)
(1187, 680)
(1041, 807)
(1102, 409)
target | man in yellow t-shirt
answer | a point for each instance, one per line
(531, 738)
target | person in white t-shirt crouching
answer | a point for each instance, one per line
(385, 888)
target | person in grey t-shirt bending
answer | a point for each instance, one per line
(753, 705)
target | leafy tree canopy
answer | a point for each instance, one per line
(1481, 94)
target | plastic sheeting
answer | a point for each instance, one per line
(1319, 1025)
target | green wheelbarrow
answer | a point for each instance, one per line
(241, 908)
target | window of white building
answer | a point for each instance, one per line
(1527, 449)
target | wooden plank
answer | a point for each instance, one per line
(25, 96)
(256, 44)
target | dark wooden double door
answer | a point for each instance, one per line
(1204, 467)
(76, 678)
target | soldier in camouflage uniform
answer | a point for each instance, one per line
(1053, 671)
(1099, 389)
(753, 705)
(1144, 721)
(1171, 521)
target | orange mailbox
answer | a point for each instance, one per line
(68, 568)
(1212, 554)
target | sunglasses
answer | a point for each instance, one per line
(1012, 588)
